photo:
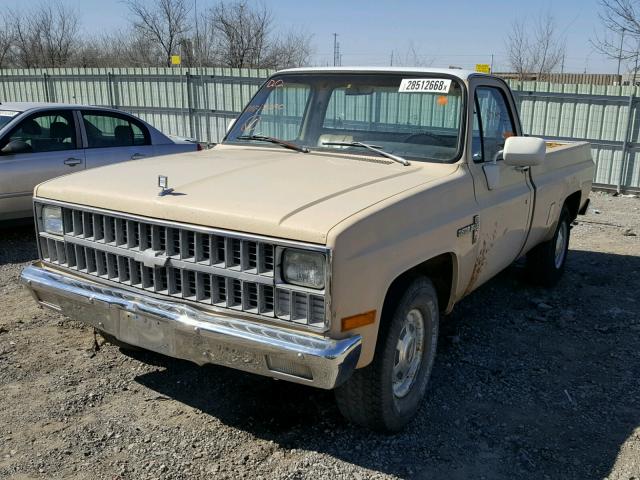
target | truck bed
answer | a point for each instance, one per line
(567, 169)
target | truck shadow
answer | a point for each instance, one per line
(528, 382)
(17, 242)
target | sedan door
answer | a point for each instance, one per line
(42, 146)
(112, 137)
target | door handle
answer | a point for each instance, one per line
(137, 156)
(72, 162)
(521, 169)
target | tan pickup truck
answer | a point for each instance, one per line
(344, 213)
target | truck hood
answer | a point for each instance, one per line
(266, 191)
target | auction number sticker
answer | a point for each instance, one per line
(424, 85)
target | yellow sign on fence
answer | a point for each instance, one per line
(176, 60)
(483, 68)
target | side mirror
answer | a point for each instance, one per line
(15, 146)
(524, 151)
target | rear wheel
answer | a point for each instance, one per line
(386, 394)
(546, 262)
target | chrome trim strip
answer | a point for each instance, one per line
(180, 331)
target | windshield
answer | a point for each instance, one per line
(412, 116)
(6, 116)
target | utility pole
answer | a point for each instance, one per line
(491, 66)
(620, 51)
(336, 50)
(562, 64)
(391, 63)
(196, 48)
(635, 70)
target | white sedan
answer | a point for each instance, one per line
(39, 141)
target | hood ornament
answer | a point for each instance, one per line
(163, 184)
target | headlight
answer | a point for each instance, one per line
(306, 269)
(52, 219)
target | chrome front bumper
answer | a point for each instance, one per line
(180, 331)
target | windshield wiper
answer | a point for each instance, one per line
(277, 141)
(373, 148)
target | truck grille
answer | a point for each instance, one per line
(217, 269)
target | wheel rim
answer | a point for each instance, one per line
(408, 355)
(561, 245)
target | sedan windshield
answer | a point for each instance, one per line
(416, 117)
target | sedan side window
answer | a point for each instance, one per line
(43, 132)
(496, 123)
(112, 130)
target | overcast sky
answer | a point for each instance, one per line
(443, 33)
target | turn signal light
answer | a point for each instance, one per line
(360, 320)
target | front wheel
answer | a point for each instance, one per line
(546, 262)
(386, 394)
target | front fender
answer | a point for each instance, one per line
(375, 247)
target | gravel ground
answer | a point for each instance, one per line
(528, 383)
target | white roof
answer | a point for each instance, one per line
(455, 72)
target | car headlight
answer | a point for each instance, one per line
(306, 269)
(52, 219)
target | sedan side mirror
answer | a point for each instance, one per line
(524, 151)
(15, 146)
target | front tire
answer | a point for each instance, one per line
(386, 394)
(546, 262)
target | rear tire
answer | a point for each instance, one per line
(546, 262)
(386, 394)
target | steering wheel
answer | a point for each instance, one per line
(437, 138)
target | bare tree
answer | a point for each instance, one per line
(621, 36)
(121, 48)
(242, 33)
(292, 49)
(46, 36)
(518, 50)
(203, 43)
(6, 42)
(414, 58)
(163, 22)
(536, 49)
(232, 33)
(245, 38)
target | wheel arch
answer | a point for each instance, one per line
(572, 202)
(441, 270)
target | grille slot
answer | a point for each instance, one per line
(266, 300)
(283, 304)
(109, 247)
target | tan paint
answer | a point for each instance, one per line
(267, 191)
(379, 218)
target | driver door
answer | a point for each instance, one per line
(504, 193)
(44, 145)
